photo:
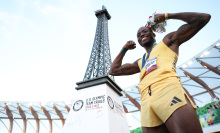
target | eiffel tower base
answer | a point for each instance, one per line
(97, 108)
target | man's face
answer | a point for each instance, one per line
(145, 36)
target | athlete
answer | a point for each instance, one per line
(165, 106)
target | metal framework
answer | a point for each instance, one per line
(189, 96)
(67, 108)
(125, 109)
(11, 118)
(202, 83)
(100, 58)
(23, 116)
(48, 117)
(133, 101)
(210, 67)
(59, 114)
(11, 114)
(34, 113)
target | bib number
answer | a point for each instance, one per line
(150, 65)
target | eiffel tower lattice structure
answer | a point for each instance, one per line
(100, 58)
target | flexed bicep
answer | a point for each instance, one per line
(194, 23)
(185, 32)
(126, 69)
(117, 68)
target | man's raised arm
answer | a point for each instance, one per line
(194, 23)
(118, 69)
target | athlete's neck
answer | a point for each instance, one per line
(147, 48)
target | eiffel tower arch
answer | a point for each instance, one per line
(100, 58)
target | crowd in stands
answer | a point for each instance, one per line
(211, 110)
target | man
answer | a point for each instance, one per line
(165, 107)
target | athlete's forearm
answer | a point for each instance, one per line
(191, 18)
(194, 23)
(117, 63)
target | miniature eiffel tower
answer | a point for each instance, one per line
(98, 108)
(100, 58)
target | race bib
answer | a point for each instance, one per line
(150, 65)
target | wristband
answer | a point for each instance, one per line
(166, 16)
(124, 50)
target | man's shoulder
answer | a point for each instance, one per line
(161, 42)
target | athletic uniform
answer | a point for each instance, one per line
(160, 87)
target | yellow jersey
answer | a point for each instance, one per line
(166, 60)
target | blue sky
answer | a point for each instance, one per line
(45, 44)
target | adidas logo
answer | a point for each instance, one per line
(175, 100)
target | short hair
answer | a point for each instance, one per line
(146, 27)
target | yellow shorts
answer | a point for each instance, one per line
(167, 95)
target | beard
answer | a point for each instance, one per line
(148, 43)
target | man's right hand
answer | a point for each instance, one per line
(130, 45)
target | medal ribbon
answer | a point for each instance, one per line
(144, 60)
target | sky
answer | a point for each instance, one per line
(45, 45)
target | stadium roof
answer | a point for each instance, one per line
(33, 116)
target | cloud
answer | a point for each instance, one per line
(67, 8)
(50, 9)
(11, 22)
(69, 11)
(25, 70)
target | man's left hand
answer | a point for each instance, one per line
(158, 18)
